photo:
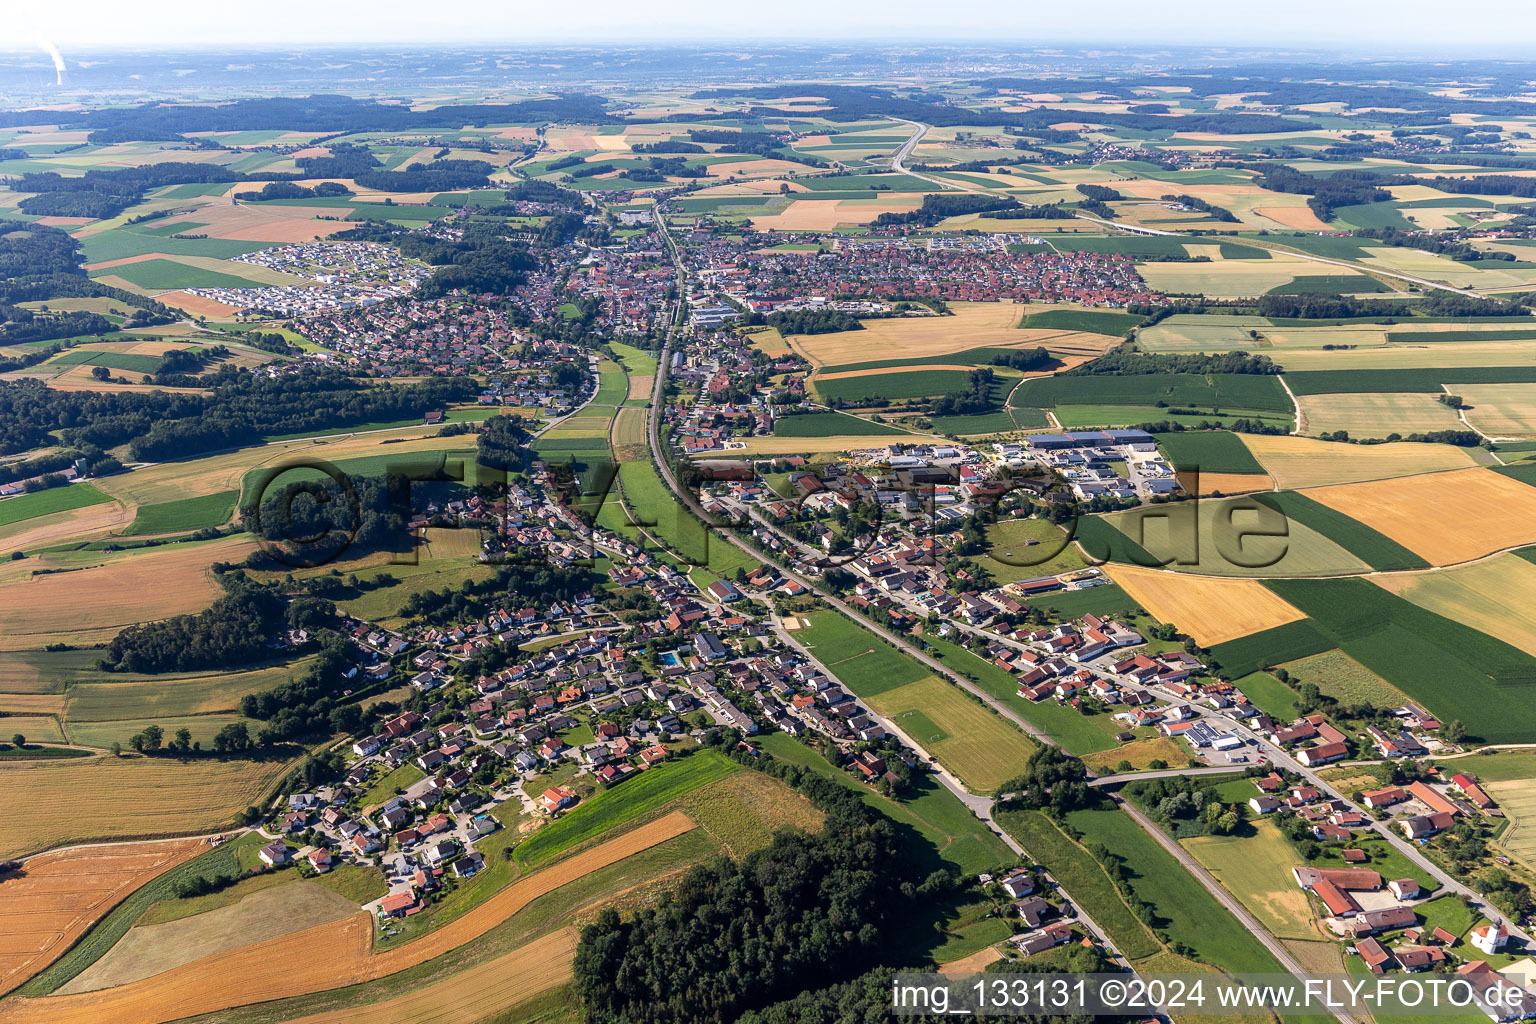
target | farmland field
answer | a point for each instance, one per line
(45, 909)
(186, 514)
(974, 324)
(909, 384)
(1500, 410)
(1083, 877)
(1377, 549)
(1518, 801)
(978, 746)
(1209, 610)
(121, 798)
(1450, 668)
(1346, 680)
(1427, 514)
(55, 499)
(829, 424)
(1257, 870)
(86, 605)
(1297, 462)
(1496, 596)
(1191, 915)
(1377, 414)
(1210, 451)
(279, 967)
(1227, 391)
(1237, 537)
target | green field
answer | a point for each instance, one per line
(627, 801)
(186, 514)
(969, 739)
(107, 697)
(54, 499)
(1226, 391)
(201, 727)
(1454, 670)
(861, 661)
(1210, 451)
(935, 814)
(128, 362)
(1268, 694)
(1092, 321)
(1092, 417)
(1083, 877)
(168, 275)
(1076, 732)
(1329, 284)
(913, 384)
(1371, 546)
(1001, 422)
(1423, 379)
(1270, 647)
(1105, 599)
(1346, 680)
(1189, 914)
(829, 424)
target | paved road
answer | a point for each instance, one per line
(1168, 773)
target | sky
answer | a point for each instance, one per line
(1376, 27)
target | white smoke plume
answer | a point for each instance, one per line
(58, 58)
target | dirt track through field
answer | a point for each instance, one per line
(288, 966)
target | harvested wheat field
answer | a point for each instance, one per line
(1497, 596)
(973, 325)
(976, 962)
(1210, 610)
(1377, 415)
(1227, 483)
(1501, 410)
(123, 798)
(1445, 518)
(71, 524)
(536, 967)
(283, 967)
(826, 214)
(60, 895)
(92, 604)
(1306, 462)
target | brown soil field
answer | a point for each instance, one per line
(877, 371)
(60, 895)
(78, 378)
(91, 604)
(63, 222)
(1445, 518)
(1306, 462)
(1299, 217)
(283, 967)
(123, 798)
(1228, 483)
(196, 304)
(1210, 610)
(641, 387)
(536, 967)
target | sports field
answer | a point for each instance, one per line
(966, 737)
(1306, 462)
(865, 664)
(1429, 514)
(1497, 596)
(1209, 610)
(1377, 415)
